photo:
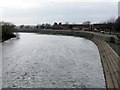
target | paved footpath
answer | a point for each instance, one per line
(110, 62)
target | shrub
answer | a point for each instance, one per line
(7, 31)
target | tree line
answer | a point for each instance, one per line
(111, 25)
(9, 28)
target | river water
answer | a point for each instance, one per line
(49, 61)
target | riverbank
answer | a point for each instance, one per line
(85, 34)
(67, 32)
(110, 62)
(9, 37)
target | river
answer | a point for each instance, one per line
(49, 61)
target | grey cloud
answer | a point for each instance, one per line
(71, 12)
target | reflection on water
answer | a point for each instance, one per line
(51, 61)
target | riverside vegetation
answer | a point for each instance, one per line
(7, 31)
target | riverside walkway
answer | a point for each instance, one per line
(110, 62)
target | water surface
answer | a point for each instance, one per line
(48, 61)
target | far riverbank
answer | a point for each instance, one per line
(112, 40)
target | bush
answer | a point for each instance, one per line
(7, 31)
(112, 40)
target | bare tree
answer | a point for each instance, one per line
(110, 24)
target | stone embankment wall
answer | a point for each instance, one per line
(109, 58)
(110, 61)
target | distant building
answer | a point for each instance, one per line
(71, 26)
(76, 26)
(60, 26)
(119, 9)
(99, 27)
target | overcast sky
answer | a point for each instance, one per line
(50, 11)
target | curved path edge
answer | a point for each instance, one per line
(110, 62)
